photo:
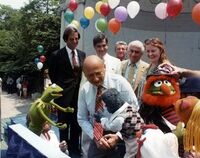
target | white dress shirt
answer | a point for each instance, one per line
(87, 97)
(69, 52)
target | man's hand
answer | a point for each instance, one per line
(111, 139)
(103, 144)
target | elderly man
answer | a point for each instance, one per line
(134, 68)
(97, 76)
(120, 50)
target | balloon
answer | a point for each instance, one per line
(40, 48)
(72, 5)
(69, 16)
(114, 25)
(174, 7)
(97, 27)
(72, 25)
(196, 13)
(121, 13)
(36, 60)
(97, 6)
(105, 9)
(76, 23)
(113, 3)
(89, 12)
(42, 58)
(161, 10)
(39, 65)
(84, 22)
(133, 9)
(101, 24)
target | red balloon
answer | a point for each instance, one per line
(42, 58)
(105, 9)
(196, 13)
(72, 5)
(174, 7)
(114, 25)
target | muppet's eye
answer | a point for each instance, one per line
(167, 83)
(158, 83)
(53, 85)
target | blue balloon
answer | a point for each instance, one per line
(36, 60)
(69, 16)
(84, 22)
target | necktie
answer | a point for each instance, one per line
(98, 129)
(74, 62)
(131, 74)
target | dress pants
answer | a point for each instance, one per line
(117, 152)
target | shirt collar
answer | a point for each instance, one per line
(136, 64)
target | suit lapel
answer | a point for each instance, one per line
(66, 59)
(140, 72)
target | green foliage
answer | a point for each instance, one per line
(22, 30)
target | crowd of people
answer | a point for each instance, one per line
(82, 78)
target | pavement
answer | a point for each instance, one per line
(11, 106)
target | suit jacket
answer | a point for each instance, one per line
(113, 65)
(62, 73)
(141, 71)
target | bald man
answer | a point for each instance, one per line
(96, 74)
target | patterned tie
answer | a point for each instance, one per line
(74, 62)
(131, 74)
(98, 129)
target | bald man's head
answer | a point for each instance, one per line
(94, 70)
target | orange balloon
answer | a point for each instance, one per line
(114, 25)
(196, 13)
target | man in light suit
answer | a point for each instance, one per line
(134, 68)
(100, 43)
(65, 70)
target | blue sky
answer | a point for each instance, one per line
(16, 4)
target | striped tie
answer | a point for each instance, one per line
(98, 129)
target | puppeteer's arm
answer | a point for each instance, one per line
(68, 109)
(59, 125)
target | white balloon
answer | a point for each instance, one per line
(113, 3)
(161, 10)
(39, 65)
(133, 9)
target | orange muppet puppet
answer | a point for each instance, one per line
(160, 92)
(188, 109)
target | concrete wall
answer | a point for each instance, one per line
(180, 34)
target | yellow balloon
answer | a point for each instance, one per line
(89, 12)
(97, 6)
(76, 23)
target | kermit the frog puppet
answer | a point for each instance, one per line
(41, 109)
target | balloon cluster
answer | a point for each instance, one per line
(39, 61)
(162, 10)
(171, 9)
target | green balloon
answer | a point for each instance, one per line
(101, 24)
(69, 16)
(40, 48)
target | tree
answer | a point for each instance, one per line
(22, 30)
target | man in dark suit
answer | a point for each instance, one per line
(66, 71)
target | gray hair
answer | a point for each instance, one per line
(120, 43)
(136, 43)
